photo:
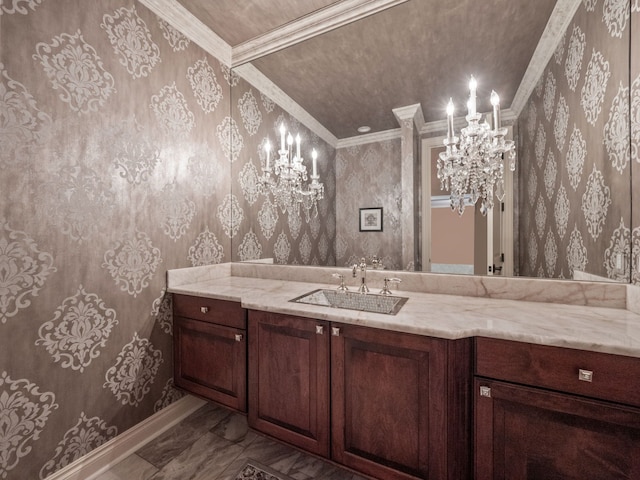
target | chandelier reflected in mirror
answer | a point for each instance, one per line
(473, 164)
(285, 178)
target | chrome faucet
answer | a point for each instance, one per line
(385, 290)
(362, 266)
(342, 287)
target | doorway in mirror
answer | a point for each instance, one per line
(470, 243)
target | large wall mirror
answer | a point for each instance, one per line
(571, 214)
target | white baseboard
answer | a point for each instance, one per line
(117, 449)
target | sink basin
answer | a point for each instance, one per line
(387, 304)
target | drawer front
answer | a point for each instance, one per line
(599, 375)
(220, 312)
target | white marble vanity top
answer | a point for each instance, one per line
(490, 311)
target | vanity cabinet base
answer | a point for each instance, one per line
(289, 379)
(553, 413)
(525, 433)
(210, 350)
(400, 404)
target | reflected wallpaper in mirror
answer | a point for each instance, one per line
(574, 155)
(261, 229)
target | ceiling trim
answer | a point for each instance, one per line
(375, 137)
(332, 17)
(433, 129)
(412, 113)
(260, 81)
(559, 20)
(508, 117)
(318, 22)
(182, 19)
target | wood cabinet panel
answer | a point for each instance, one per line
(210, 361)
(391, 416)
(220, 312)
(289, 379)
(524, 433)
(615, 378)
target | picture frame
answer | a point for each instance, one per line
(371, 219)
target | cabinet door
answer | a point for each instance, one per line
(289, 379)
(525, 433)
(211, 361)
(389, 414)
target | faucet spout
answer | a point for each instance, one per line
(362, 266)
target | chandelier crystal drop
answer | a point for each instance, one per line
(285, 179)
(473, 164)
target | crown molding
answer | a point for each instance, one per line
(439, 127)
(375, 137)
(183, 20)
(333, 17)
(260, 81)
(311, 25)
(559, 20)
(410, 112)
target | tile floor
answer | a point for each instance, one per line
(214, 444)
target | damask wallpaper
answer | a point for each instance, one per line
(635, 137)
(369, 176)
(263, 230)
(574, 159)
(114, 161)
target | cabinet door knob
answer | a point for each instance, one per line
(335, 331)
(319, 330)
(238, 337)
(585, 375)
(204, 309)
(485, 391)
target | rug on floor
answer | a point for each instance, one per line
(253, 470)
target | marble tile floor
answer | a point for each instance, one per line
(214, 444)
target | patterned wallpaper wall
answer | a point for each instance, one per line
(574, 151)
(635, 136)
(114, 140)
(369, 176)
(262, 229)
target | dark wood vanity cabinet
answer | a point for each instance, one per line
(210, 349)
(289, 379)
(555, 413)
(390, 405)
(400, 404)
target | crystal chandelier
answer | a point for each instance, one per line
(473, 164)
(286, 179)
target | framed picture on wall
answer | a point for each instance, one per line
(371, 219)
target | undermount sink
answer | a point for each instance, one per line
(387, 304)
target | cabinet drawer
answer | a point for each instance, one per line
(220, 312)
(592, 374)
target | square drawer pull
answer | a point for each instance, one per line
(204, 309)
(238, 337)
(585, 375)
(485, 391)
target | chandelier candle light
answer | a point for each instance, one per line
(473, 163)
(286, 179)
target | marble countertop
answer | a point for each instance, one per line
(594, 328)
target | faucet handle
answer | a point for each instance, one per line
(385, 289)
(342, 287)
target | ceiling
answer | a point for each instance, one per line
(417, 51)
